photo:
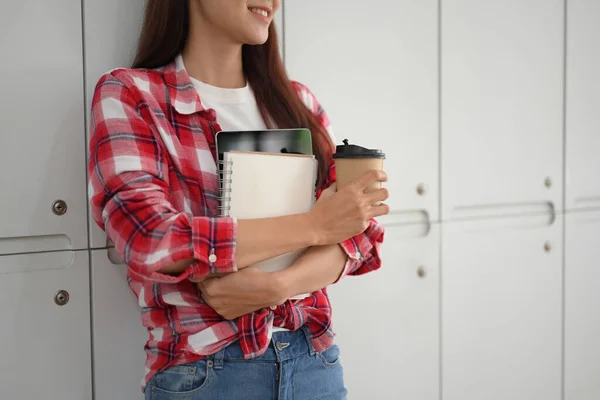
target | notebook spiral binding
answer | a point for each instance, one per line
(225, 181)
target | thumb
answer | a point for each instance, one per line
(330, 191)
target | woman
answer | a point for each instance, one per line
(220, 329)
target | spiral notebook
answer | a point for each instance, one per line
(265, 185)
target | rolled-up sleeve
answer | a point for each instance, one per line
(363, 251)
(129, 195)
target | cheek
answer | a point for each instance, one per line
(226, 13)
(276, 5)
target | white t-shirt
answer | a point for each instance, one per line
(236, 108)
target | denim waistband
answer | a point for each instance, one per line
(284, 346)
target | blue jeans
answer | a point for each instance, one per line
(290, 369)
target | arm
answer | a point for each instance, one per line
(321, 266)
(318, 267)
(261, 239)
(129, 196)
(252, 289)
(362, 251)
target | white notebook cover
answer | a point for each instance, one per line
(264, 185)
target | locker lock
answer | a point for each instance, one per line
(59, 207)
(61, 297)
(547, 247)
(421, 189)
(421, 271)
(548, 182)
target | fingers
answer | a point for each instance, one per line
(369, 178)
(330, 191)
(378, 211)
(377, 196)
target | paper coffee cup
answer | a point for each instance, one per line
(351, 162)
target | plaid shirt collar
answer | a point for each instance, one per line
(183, 94)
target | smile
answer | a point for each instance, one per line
(259, 11)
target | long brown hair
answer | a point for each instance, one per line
(164, 35)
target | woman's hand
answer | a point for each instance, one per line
(346, 213)
(243, 292)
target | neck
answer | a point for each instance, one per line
(211, 57)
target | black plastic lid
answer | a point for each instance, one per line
(353, 151)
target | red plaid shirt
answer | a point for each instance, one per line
(154, 190)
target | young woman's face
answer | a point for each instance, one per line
(244, 21)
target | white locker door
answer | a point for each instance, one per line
(502, 106)
(376, 76)
(582, 299)
(583, 103)
(119, 336)
(112, 29)
(45, 335)
(387, 322)
(42, 155)
(502, 309)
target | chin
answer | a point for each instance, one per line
(257, 39)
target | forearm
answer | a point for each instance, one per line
(318, 267)
(260, 239)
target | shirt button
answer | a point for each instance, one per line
(358, 255)
(212, 258)
(273, 308)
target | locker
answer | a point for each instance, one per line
(393, 351)
(111, 32)
(45, 313)
(41, 150)
(119, 336)
(583, 103)
(502, 309)
(377, 78)
(501, 107)
(582, 297)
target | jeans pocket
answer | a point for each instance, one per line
(331, 356)
(181, 382)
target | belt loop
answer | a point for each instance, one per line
(217, 359)
(308, 338)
